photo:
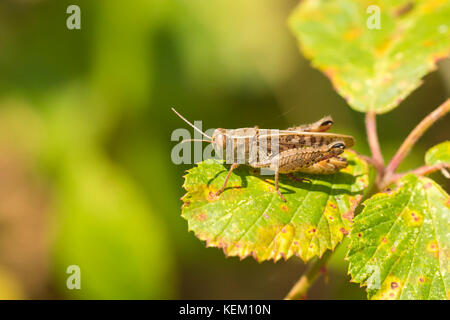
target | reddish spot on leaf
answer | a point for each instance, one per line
(343, 230)
(427, 185)
(433, 248)
(211, 196)
(201, 217)
(186, 204)
(348, 215)
(394, 285)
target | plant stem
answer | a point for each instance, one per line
(412, 138)
(300, 289)
(372, 137)
(422, 171)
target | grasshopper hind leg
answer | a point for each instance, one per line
(233, 166)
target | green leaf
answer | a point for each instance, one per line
(438, 154)
(373, 69)
(400, 242)
(249, 218)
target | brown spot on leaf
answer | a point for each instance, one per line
(348, 215)
(427, 185)
(332, 205)
(359, 235)
(202, 216)
(414, 219)
(384, 240)
(433, 248)
(212, 196)
(394, 285)
(421, 279)
(404, 9)
(186, 204)
(343, 230)
(284, 208)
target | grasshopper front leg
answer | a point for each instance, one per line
(233, 166)
(277, 187)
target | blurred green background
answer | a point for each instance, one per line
(86, 176)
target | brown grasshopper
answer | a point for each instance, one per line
(306, 148)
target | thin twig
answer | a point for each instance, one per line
(412, 138)
(425, 170)
(300, 289)
(372, 137)
(422, 171)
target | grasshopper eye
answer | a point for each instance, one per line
(326, 123)
(338, 145)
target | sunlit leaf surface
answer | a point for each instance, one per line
(400, 242)
(438, 154)
(249, 218)
(373, 66)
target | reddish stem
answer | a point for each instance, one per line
(372, 137)
(412, 138)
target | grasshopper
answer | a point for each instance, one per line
(305, 148)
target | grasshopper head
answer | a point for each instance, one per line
(323, 124)
(219, 139)
(336, 147)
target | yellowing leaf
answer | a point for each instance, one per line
(373, 68)
(249, 218)
(400, 242)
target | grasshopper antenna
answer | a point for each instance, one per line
(195, 128)
(200, 140)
